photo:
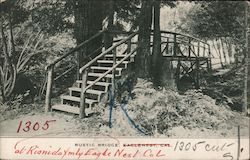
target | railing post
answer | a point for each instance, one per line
(189, 47)
(49, 89)
(209, 56)
(128, 46)
(198, 49)
(204, 50)
(178, 72)
(175, 45)
(113, 74)
(197, 82)
(209, 51)
(78, 65)
(82, 98)
(167, 47)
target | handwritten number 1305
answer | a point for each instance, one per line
(28, 126)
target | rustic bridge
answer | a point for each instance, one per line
(101, 71)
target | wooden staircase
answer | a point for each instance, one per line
(98, 74)
(70, 103)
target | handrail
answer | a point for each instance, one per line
(84, 70)
(50, 69)
(67, 71)
(181, 34)
(167, 32)
(162, 31)
(111, 69)
(75, 49)
(106, 51)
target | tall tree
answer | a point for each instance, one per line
(156, 66)
(246, 82)
(161, 69)
(88, 21)
(110, 23)
(142, 59)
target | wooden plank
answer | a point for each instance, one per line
(189, 47)
(113, 75)
(178, 72)
(66, 108)
(49, 90)
(197, 77)
(175, 45)
(198, 49)
(82, 97)
(77, 99)
(128, 46)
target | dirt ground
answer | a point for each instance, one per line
(70, 126)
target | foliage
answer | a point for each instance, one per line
(219, 22)
(215, 19)
(51, 16)
(227, 87)
(159, 111)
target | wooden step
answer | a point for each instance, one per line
(90, 91)
(118, 55)
(109, 61)
(97, 83)
(101, 86)
(66, 108)
(77, 99)
(100, 74)
(97, 93)
(98, 69)
(104, 68)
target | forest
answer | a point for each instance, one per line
(168, 67)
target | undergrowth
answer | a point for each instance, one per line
(159, 111)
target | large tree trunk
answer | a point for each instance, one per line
(142, 59)
(246, 108)
(109, 37)
(156, 65)
(88, 21)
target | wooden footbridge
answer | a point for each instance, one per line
(100, 72)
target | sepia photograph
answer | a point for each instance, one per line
(138, 74)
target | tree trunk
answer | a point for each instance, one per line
(109, 37)
(246, 80)
(156, 65)
(8, 78)
(88, 21)
(11, 36)
(142, 59)
(223, 51)
(228, 43)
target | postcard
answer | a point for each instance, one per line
(124, 79)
